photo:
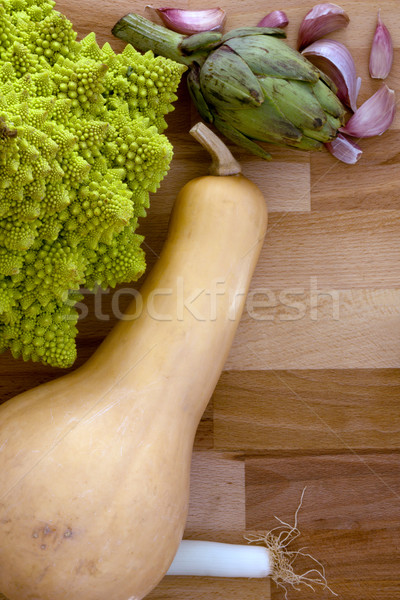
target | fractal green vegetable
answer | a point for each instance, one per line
(249, 83)
(81, 148)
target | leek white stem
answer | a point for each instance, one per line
(214, 559)
(270, 559)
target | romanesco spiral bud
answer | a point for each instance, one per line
(81, 147)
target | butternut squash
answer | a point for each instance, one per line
(94, 466)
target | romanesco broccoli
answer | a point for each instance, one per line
(81, 147)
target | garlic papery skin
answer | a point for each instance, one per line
(381, 55)
(334, 59)
(374, 116)
(276, 18)
(191, 21)
(319, 21)
(344, 149)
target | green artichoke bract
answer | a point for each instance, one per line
(249, 83)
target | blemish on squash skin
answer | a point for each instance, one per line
(45, 531)
(50, 534)
(42, 574)
(86, 566)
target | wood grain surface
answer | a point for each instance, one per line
(310, 395)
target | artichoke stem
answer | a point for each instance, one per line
(145, 35)
(223, 162)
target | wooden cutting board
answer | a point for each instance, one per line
(310, 395)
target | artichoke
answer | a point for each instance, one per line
(249, 83)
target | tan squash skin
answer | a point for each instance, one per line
(94, 466)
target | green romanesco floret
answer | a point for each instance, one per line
(81, 148)
(45, 334)
(119, 262)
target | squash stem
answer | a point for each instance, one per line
(223, 163)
